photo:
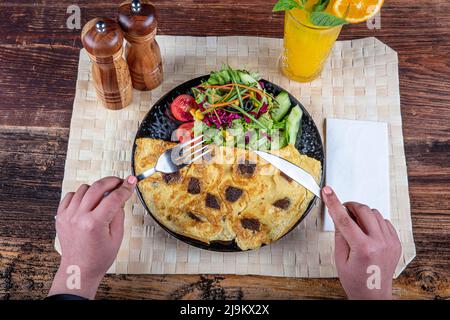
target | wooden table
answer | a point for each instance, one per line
(39, 57)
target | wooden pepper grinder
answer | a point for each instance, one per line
(138, 22)
(103, 39)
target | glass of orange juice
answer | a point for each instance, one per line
(306, 46)
(310, 29)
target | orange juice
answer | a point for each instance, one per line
(306, 47)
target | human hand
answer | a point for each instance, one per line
(89, 224)
(364, 244)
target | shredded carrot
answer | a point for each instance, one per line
(228, 94)
(218, 118)
(223, 104)
(238, 85)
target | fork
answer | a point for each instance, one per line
(178, 157)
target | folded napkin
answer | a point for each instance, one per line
(357, 164)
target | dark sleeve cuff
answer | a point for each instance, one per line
(58, 297)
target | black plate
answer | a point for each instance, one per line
(158, 124)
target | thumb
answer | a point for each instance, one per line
(341, 249)
(114, 201)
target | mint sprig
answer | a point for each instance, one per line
(317, 15)
(323, 19)
(321, 5)
(286, 5)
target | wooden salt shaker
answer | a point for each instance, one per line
(139, 24)
(103, 39)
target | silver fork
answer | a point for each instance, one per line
(178, 157)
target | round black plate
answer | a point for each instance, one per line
(158, 124)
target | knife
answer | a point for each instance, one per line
(292, 171)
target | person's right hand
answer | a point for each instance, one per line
(90, 227)
(364, 244)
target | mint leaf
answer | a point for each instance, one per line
(286, 5)
(321, 5)
(323, 19)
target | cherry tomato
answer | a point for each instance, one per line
(184, 132)
(181, 106)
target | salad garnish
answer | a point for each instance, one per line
(233, 108)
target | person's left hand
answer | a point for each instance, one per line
(90, 229)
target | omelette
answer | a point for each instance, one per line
(231, 195)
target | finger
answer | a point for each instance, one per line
(381, 222)
(97, 192)
(65, 202)
(342, 220)
(341, 248)
(365, 218)
(394, 238)
(392, 230)
(115, 201)
(78, 196)
(117, 226)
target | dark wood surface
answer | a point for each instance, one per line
(38, 69)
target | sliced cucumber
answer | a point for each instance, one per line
(266, 121)
(246, 78)
(284, 104)
(278, 139)
(293, 124)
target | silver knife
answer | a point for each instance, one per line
(291, 170)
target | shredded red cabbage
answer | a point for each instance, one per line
(220, 118)
(263, 109)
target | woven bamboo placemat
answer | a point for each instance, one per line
(360, 81)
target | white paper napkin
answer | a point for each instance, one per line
(357, 164)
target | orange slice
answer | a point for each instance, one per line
(355, 11)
